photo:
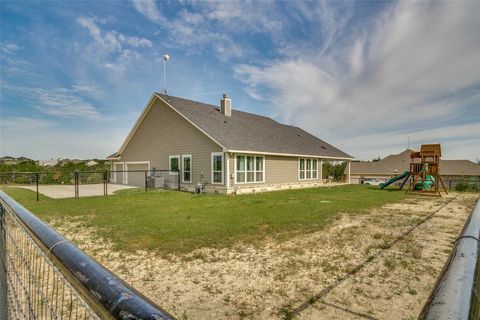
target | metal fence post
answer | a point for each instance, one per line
(105, 183)
(178, 175)
(36, 182)
(3, 266)
(76, 184)
(146, 181)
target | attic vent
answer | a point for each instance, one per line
(323, 147)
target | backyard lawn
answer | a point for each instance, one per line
(177, 222)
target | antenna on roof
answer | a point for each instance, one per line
(166, 57)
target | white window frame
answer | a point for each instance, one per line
(170, 164)
(254, 168)
(211, 166)
(311, 171)
(183, 168)
(125, 165)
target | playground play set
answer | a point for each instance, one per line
(424, 175)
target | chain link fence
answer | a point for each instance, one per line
(91, 183)
(45, 276)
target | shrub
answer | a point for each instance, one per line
(461, 186)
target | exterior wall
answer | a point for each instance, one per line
(163, 133)
(280, 173)
(118, 175)
(135, 178)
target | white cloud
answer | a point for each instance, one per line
(87, 89)
(47, 139)
(149, 9)
(8, 47)
(416, 67)
(111, 40)
(111, 49)
(62, 102)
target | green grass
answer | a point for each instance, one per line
(180, 222)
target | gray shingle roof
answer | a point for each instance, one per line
(398, 163)
(245, 131)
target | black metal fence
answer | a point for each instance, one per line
(81, 183)
(45, 276)
(457, 292)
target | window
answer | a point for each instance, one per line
(174, 162)
(187, 168)
(307, 169)
(249, 169)
(217, 167)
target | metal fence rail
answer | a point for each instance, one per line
(457, 292)
(45, 276)
(146, 179)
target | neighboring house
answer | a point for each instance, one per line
(8, 160)
(451, 171)
(63, 161)
(228, 150)
(91, 163)
(47, 163)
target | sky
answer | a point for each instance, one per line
(363, 76)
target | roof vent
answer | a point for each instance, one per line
(226, 105)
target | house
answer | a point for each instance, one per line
(7, 160)
(91, 163)
(47, 163)
(229, 151)
(451, 171)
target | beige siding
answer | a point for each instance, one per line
(278, 170)
(118, 167)
(164, 132)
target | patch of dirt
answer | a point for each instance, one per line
(377, 265)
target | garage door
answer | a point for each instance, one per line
(118, 172)
(136, 178)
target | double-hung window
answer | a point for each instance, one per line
(217, 167)
(174, 163)
(307, 169)
(249, 169)
(187, 168)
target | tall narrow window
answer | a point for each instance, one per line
(302, 169)
(307, 169)
(249, 169)
(217, 167)
(174, 162)
(240, 169)
(187, 168)
(259, 169)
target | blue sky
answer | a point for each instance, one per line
(360, 75)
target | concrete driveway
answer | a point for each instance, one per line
(68, 191)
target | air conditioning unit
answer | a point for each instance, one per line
(158, 183)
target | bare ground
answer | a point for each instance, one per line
(376, 265)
